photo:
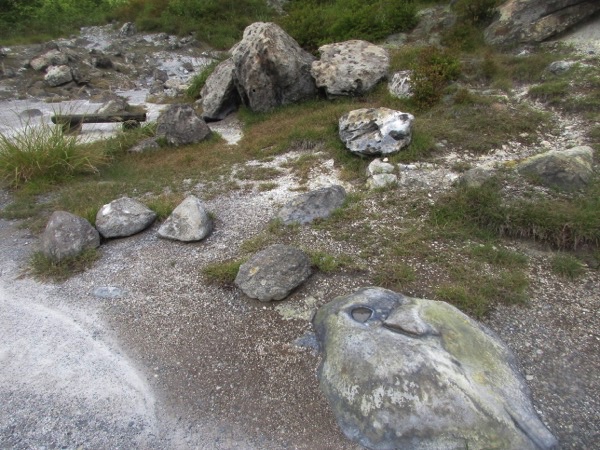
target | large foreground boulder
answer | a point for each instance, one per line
(180, 125)
(271, 69)
(528, 21)
(123, 217)
(273, 273)
(219, 94)
(67, 235)
(188, 222)
(566, 170)
(350, 68)
(375, 131)
(317, 204)
(406, 373)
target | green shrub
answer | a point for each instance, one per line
(316, 22)
(432, 72)
(198, 81)
(476, 11)
(45, 152)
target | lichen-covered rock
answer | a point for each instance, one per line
(271, 69)
(180, 125)
(350, 68)
(123, 217)
(188, 222)
(67, 235)
(376, 131)
(273, 273)
(400, 85)
(317, 204)
(562, 169)
(528, 21)
(58, 75)
(406, 373)
(219, 94)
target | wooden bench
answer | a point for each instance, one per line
(73, 122)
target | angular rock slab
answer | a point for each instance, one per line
(528, 21)
(406, 373)
(562, 169)
(67, 235)
(376, 131)
(188, 222)
(350, 68)
(273, 273)
(400, 85)
(317, 204)
(180, 125)
(123, 217)
(219, 94)
(271, 69)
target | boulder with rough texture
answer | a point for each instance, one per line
(563, 169)
(67, 235)
(400, 84)
(219, 94)
(382, 180)
(273, 273)
(114, 106)
(317, 204)
(58, 75)
(128, 29)
(271, 69)
(377, 167)
(123, 217)
(350, 68)
(188, 222)
(50, 58)
(528, 21)
(180, 125)
(375, 131)
(406, 373)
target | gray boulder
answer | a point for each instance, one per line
(382, 180)
(50, 58)
(377, 167)
(58, 75)
(188, 222)
(219, 94)
(376, 131)
(123, 217)
(67, 235)
(273, 273)
(562, 169)
(317, 204)
(180, 125)
(271, 69)
(528, 21)
(114, 106)
(350, 68)
(406, 373)
(145, 145)
(128, 29)
(400, 84)
(476, 177)
(560, 67)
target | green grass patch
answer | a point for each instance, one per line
(45, 268)
(567, 266)
(223, 272)
(198, 81)
(164, 204)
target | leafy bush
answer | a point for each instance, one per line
(432, 72)
(46, 152)
(316, 22)
(476, 11)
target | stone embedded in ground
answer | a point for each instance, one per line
(317, 204)
(50, 58)
(188, 222)
(180, 125)
(219, 94)
(350, 68)
(560, 67)
(382, 180)
(67, 235)
(476, 177)
(528, 21)
(271, 69)
(273, 273)
(123, 217)
(377, 166)
(400, 84)
(376, 131)
(406, 373)
(145, 145)
(562, 169)
(58, 75)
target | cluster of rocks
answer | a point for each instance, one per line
(67, 235)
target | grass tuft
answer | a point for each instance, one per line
(567, 266)
(223, 272)
(45, 268)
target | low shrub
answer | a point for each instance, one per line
(431, 73)
(475, 11)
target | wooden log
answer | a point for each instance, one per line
(74, 120)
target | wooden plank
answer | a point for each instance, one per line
(73, 120)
